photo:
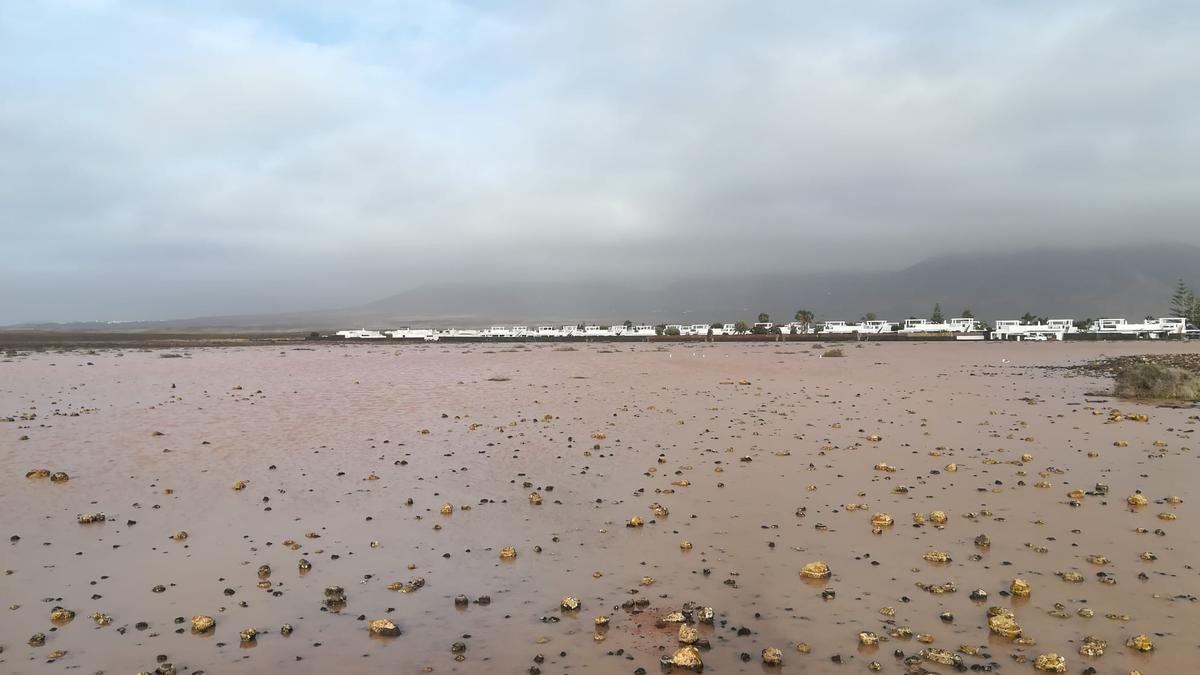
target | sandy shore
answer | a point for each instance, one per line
(755, 450)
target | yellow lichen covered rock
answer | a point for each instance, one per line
(816, 570)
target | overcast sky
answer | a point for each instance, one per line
(171, 159)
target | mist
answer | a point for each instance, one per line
(167, 160)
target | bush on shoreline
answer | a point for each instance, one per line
(1151, 381)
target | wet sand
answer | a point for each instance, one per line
(773, 440)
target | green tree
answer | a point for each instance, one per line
(659, 329)
(628, 324)
(1028, 318)
(1183, 302)
(870, 316)
(673, 331)
(740, 327)
(759, 330)
(764, 317)
(967, 314)
(805, 318)
(937, 317)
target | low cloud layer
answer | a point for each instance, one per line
(161, 160)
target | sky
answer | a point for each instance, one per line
(174, 159)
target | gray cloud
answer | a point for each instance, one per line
(175, 159)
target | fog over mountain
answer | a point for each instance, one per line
(527, 160)
(1129, 282)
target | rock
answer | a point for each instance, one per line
(983, 541)
(61, 615)
(202, 623)
(570, 604)
(937, 517)
(979, 595)
(868, 639)
(239, 485)
(688, 635)
(687, 658)
(1137, 500)
(1092, 646)
(882, 520)
(1142, 643)
(535, 499)
(685, 545)
(772, 656)
(635, 521)
(89, 518)
(286, 629)
(1020, 588)
(941, 656)
(816, 570)
(1050, 663)
(37, 640)
(335, 597)
(508, 553)
(101, 618)
(248, 634)
(659, 510)
(447, 509)
(383, 627)
(37, 474)
(804, 648)
(937, 557)
(180, 535)
(705, 615)
(1003, 622)
(304, 565)
(601, 620)
(59, 477)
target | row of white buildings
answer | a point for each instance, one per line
(963, 328)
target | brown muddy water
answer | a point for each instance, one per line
(773, 442)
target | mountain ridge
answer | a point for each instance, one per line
(1127, 281)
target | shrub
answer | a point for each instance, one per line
(832, 353)
(1150, 381)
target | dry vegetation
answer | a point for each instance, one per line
(1154, 381)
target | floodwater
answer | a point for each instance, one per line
(771, 439)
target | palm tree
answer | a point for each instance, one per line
(804, 318)
(764, 317)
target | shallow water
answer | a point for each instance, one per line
(309, 425)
